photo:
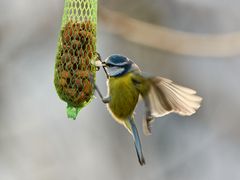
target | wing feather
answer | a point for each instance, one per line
(166, 97)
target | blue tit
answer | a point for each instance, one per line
(161, 96)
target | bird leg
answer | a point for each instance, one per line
(104, 99)
(104, 68)
(148, 118)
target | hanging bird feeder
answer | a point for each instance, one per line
(75, 51)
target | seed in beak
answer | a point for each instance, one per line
(97, 63)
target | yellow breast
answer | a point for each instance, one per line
(124, 97)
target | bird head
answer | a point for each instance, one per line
(118, 65)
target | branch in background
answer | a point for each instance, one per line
(220, 45)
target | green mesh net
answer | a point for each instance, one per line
(75, 52)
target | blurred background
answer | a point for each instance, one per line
(38, 142)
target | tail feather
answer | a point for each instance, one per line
(130, 125)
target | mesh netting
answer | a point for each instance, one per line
(76, 50)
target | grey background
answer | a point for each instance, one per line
(38, 142)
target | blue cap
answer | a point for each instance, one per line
(117, 60)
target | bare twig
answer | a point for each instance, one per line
(219, 45)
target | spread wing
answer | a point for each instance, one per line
(165, 97)
(162, 96)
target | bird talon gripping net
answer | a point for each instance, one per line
(75, 51)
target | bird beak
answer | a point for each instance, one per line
(104, 64)
(99, 63)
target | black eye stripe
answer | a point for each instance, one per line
(109, 65)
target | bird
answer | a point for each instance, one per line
(127, 84)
